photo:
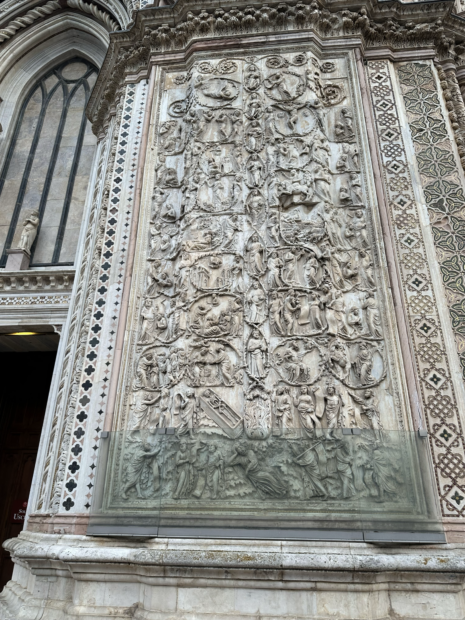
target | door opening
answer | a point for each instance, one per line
(26, 378)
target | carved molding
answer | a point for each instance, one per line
(27, 19)
(37, 280)
(166, 30)
(39, 12)
(92, 9)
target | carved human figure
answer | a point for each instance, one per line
(354, 320)
(386, 474)
(144, 367)
(308, 460)
(322, 180)
(140, 410)
(164, 369)
(311, 269)
(366, 270)
(267, 481)
(369, 407)
(184, 482)
(202, 243)
(292, 362)
(254, 136)
(290, 309)
(256, 253)
(370, 305)
(218, 357)
(237, 276)
(363, 364)
(137, 459)
(306, 409)
(186, 405)
(334, 311)
(343, 128)
(29, 232)
(276, 307)
(273, 228)
(356, 187)
(162, 409)
(334, 228)
(289, 268)
(231, 227)
(254, 171)
(148, 322)
(256, 354)
(339, 359)
(252, 78)
(256, 301)
(315, 312)
(255, 205)
(253, 107)
(235, 312)
(344, 195)
(356, 231)
(275, 265)
(333, 407)
(283, 408)
(344, 469)
(342, 164)
(215, 470)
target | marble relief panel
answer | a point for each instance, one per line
(261, 304)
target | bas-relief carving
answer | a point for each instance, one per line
(260, 308)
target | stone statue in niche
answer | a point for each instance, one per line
(260, 313)
(29, 232)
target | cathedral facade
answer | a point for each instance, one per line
(232, 310)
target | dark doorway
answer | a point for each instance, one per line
(26, 379)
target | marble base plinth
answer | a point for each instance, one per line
(18, 260)
(74, 577)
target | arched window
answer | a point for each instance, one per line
(48, 163)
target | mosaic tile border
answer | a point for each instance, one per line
(442, 186)
(35, 300)
(97, 366)
(436, 387)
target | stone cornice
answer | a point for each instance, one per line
(173, 28)
(288, 559)
(33, 280)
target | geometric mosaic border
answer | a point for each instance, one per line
(442, 187)
(103, 324)
(432, 367)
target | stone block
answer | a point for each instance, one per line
(18, 260)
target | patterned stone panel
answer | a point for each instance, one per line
(442, 186)
(103, 319)
(437, 390)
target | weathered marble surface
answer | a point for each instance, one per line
(234, 580)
